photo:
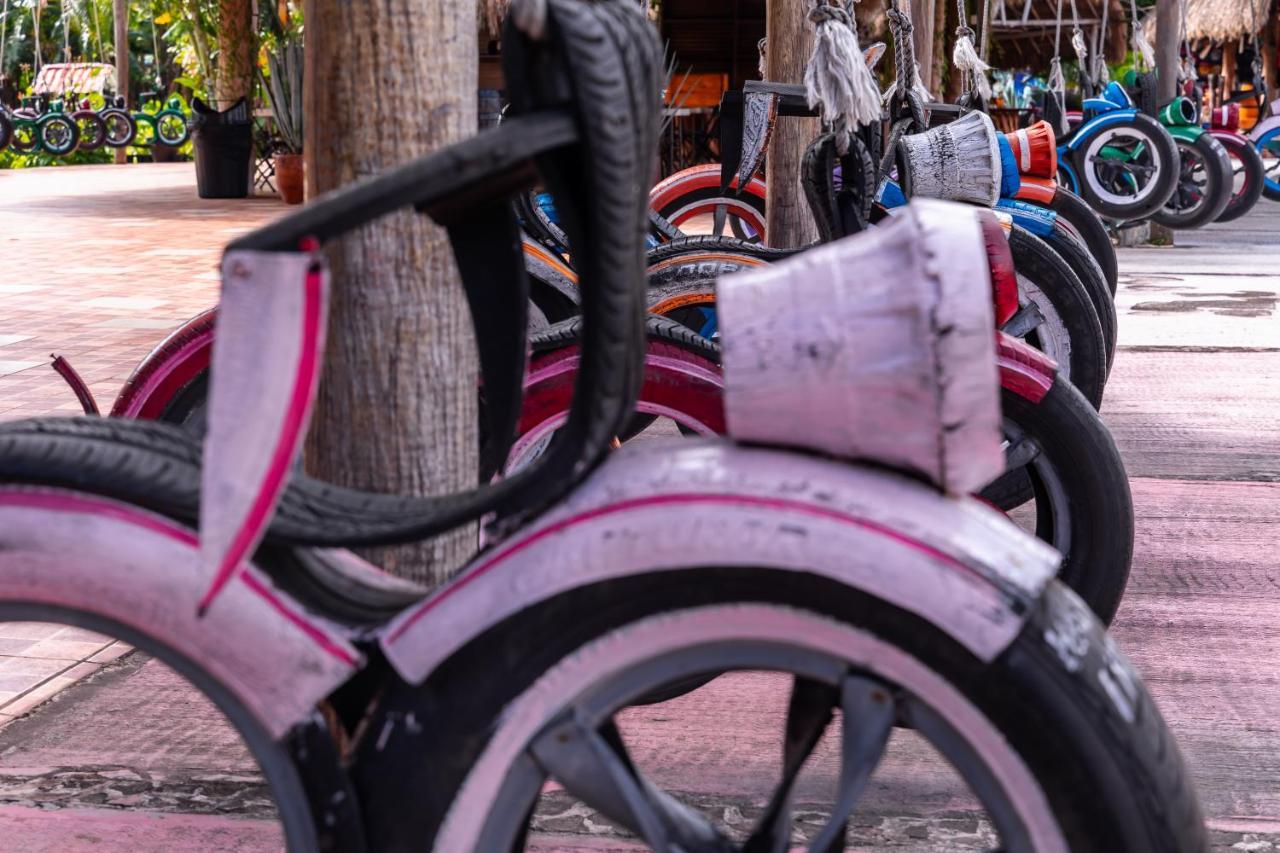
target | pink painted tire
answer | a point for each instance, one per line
(1109, 778)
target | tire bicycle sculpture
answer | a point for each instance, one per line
(966, 638)
(1247, 168)
(40, 126)
(157, 122)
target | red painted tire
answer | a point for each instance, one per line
(696, 192)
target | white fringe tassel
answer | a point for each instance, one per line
(837, 78)
(1142, 46)
(1057, 80)
(762, 47)
(965, 57)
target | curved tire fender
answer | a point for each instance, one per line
(72, 552)
(954, 561)
(167, 369)
(696, 178)
(1116, 116)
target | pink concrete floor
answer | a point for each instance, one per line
(99, 263)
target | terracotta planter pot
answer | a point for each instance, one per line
(290, 178)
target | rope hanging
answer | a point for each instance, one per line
(837, 79)
(965, 56)
(762, 48)
(904, 56)
(1057, 80)
(1100, 71)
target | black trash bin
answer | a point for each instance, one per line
(223, 143)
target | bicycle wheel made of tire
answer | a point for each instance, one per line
(1247, 173)
(6, 131)
(1061, 455)
(171, 128)
(92, 128)
(144, 130)
(1127, 170)
(741, 216)
(1091, 229)
(121, 128)
(1268, 145)
(795, 651)
(59, 135)
(26, 137)
(1204, 184)
(1056, 315)
(1068, 246)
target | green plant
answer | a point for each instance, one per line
(283, 84)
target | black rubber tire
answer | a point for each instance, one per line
(701, 243)
(1091, 229)
(1166, 154)
(28, 131)
(123, 120)
(1218, 185)
(70, 130)
(93, 130)
(1036, 261)
(1072, 249)
(1246, 158)
(1111, 771)
(1075, 441)
(172, 140)
(6, 130)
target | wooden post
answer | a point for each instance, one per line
(922, 15)
(1269, 58)
(237, 51)
(1168, 39)
(939, 65)
(397, 406)
(1228, 68)
(790, 35)
(120, 47)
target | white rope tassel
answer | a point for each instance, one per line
(965, 57)
(530, 17)
(1141, 46)
(1057, 80)
(917, 86)
(762, 47)
(1082, 50)
(837, 78)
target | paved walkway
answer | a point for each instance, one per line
(1193, 402)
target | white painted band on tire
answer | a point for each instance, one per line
(1096, 145)
(626, 647)
(1054, 339)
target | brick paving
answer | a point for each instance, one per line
(110, 259)
(97, 263)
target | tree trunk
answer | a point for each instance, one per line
(397, 405)
(237, 50)
(790, 35)
(1168, 27)
(120, 47)
(922, 14)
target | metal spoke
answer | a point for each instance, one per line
(1020, 452)
(594, 766)
(1026, 321)
(868, 711)
(808, 715)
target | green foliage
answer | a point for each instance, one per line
(283, 84)
(10, 159)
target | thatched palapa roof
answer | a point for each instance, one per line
(1219, 20)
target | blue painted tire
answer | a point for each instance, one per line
(1268, 146)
